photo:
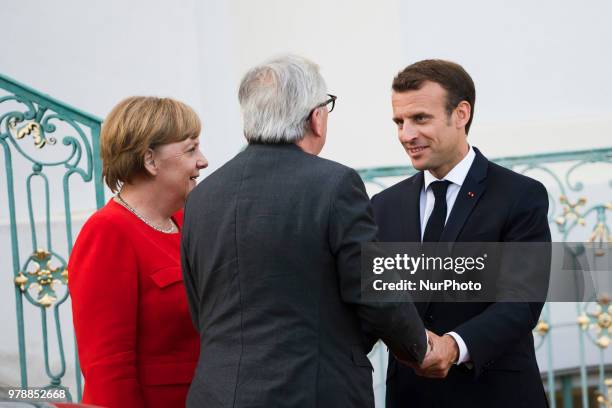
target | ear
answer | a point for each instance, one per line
(317, 123)
(463, 112)
(149, 162)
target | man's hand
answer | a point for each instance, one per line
(442, 354)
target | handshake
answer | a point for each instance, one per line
(442, 353)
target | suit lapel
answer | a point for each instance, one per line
(411, 217)
(472, 189)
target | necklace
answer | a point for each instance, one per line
(131, 209)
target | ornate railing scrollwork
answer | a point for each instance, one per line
(570, 211)
(597, 316)
(31, 124)
(42, 278)
(606, 400)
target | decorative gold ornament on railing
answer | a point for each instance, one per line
(42, 278)
(583, 321)
(21, 281)
(606, 400)
(600, 233)
(542, 328)
(600, 320)
(41, 254)
(47, 300)
(29, 128)
(570, 211)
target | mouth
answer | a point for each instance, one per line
(194, 178)
(416, 149)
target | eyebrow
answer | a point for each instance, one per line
(423, 114)
(399, 120)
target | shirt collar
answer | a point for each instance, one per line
(457, 174)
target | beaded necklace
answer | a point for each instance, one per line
(169, 230)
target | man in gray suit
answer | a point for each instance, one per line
(271, 261)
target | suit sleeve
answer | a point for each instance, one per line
(490, 334)
(103, 286)
(352, 224)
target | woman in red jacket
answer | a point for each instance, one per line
(136, 342)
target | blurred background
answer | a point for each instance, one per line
(543, 85)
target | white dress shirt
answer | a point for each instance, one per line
(456, 176)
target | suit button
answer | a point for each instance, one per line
(429, 319)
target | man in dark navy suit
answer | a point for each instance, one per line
(483, 354)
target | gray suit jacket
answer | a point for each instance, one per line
(271, 263)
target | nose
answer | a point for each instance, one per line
(202, 163)
(408, 133)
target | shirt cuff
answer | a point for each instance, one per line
(464, 354)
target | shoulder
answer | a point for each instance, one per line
(335, 179)
(396, 191)
(331, 167)
(268, 167)
(110, 221)
(513, 182)
(105, 235)
(322, 177)
(232, 166)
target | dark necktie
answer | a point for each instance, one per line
(436, 221)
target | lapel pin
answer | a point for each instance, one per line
(471, 194)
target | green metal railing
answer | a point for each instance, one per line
(29, 123)
(558, 171)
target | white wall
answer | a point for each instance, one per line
(541, 70)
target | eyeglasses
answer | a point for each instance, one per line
(332, 100)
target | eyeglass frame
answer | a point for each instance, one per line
(332, 100)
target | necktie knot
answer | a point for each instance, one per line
(439, 189)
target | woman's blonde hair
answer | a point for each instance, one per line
(139, 123)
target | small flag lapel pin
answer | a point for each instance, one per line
(471, 194)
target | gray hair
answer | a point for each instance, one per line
(277, 97)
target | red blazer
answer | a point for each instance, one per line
(136, 342)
